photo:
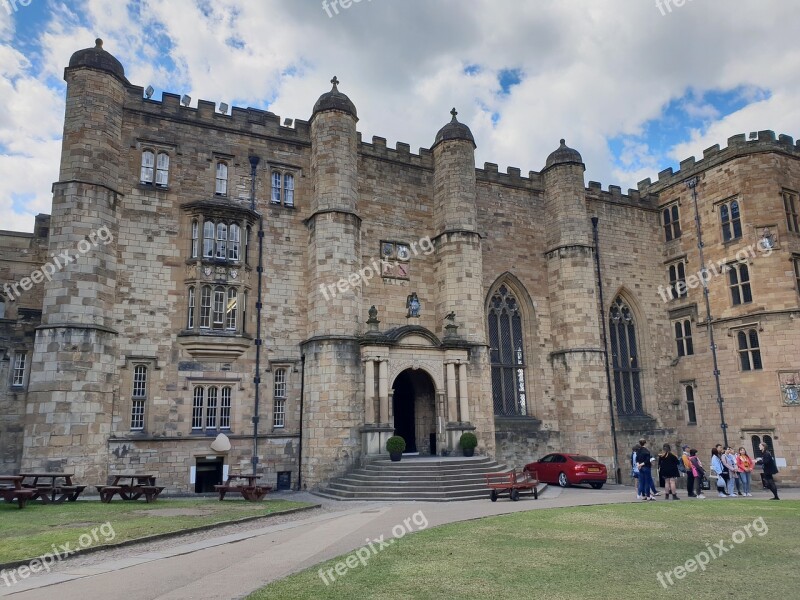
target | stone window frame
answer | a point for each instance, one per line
(201, 418)
(130, 400)
(140, 384)
(232, 249)
(282, 194)
(197, 292)
(791, 206)
(156, 148)
(221, 181)
(796, 269)
(756, 436)
(683, 340)
(19, 369)
(158, 171)
(671, 221)
(628, 374)
(746, 348)
(509, 373)
(280, 394)
(690, 401)
(739, 288)
(674, 268)
(725, 207)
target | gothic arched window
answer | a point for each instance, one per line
(625, 359)
(507, 354)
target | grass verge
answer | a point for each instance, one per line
(34, 530)
(598, 552)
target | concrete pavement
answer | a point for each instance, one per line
(232, 566)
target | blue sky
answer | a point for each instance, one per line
(633, 88)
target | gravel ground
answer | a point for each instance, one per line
(94, 558)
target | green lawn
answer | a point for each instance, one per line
(603, 552)
(32, 531)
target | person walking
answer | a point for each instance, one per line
(644, 462)
(718, 466)
(698, 471)
(729, 460)
(635, 470)
(687, 465)
(668, 471)
(745, 465)
(770, 469)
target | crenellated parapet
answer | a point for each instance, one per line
(401, 154)
(512, 177)
(251, 121)
(614, 195)
(738, 145)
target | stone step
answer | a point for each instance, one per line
(403, 496)
(425, 479)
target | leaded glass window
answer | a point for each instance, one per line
(625, 359)
(507, 354)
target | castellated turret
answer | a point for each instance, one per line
(334, 373)
(72, 377)
(458, 244)
(577, 357)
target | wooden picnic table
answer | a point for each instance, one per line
(11, 489)
(131, 487)
(50, 490)
(251, 491)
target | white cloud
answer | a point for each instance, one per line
(592, 71)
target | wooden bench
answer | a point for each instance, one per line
(20, 495)
(150, 492)
(107, 492)
(251, 493)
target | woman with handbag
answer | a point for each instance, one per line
(718, 466)
(697, 471)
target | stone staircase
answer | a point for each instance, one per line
(427, 479)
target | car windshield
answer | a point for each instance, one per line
(583, 458)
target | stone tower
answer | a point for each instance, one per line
(579, 381)
(333, 410)
(459, 273)
(74, 364)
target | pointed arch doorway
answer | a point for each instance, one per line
(414, 410)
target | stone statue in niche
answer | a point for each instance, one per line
(413, 305)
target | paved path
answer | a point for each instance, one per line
(232, 566)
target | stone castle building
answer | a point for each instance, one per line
(308, 294)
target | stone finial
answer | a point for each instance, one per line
(335, 82)
(98, 44)
(454, 112)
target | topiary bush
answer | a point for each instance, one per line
(395, 445)
(468, 441)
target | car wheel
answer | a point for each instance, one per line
(562, 480)
(597, 486)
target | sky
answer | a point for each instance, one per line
(635, 85)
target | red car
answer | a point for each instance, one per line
(569, 469)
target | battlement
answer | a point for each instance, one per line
(401, 152)
(738, 145)
(252, 121)
(614, 194)
(512, 177)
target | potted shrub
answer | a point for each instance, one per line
(468, 443)
(395, 445)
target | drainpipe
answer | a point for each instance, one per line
(300, 444)
(692, 185)
(254, 160)
(595, 221)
